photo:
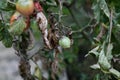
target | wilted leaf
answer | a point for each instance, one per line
(17, 27)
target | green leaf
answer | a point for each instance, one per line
(7, 39)
(1, 36)
(1, 30)
(94, 51)
(7, 42)
(5, 36)
(35, 29)
(103, 61)
(95, 66)
(96, 9)
(38, 73)
(117, 33)
(97, 77)
(104, 7)
(3, 4)
(109, 51)
(17, 27)
(115, 72)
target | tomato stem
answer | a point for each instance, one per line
(27, 22)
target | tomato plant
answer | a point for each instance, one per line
(39, 30)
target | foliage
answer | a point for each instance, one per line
(92, 26)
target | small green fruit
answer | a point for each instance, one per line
(64, 42)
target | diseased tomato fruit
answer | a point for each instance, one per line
(64, 42)
(14, 17)
(17, 16)
(25, 7)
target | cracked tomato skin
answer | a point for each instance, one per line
(25, 7)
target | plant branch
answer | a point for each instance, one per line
(85, 27)
(77, 23)
(68, 6)
(60, 11)
(111, 25)
(102, 32)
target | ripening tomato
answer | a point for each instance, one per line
(14, 17)
(64, 42)
(25, 7)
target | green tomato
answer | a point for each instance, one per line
(64, 42)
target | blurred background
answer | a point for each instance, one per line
(8, 64)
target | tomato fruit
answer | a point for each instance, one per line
(25, 7)
(14, 17)
(64, 42)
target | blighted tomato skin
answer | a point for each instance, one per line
(14, 17)
(25, 7)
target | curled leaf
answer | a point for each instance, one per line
(42, 22)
